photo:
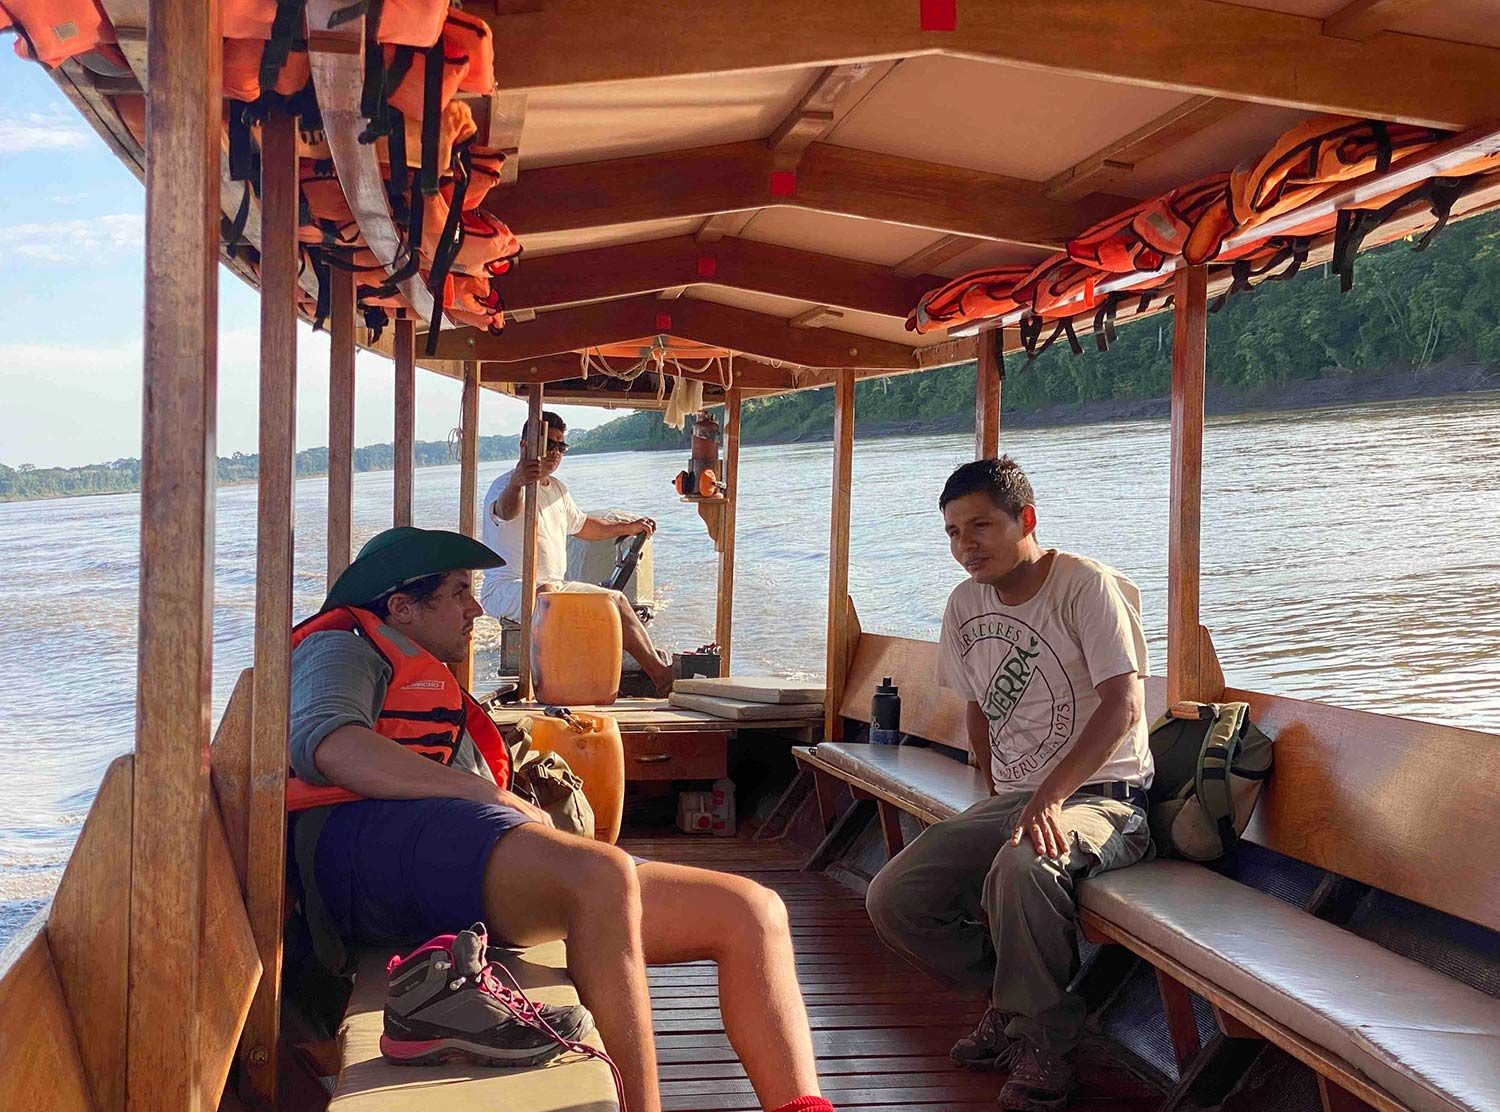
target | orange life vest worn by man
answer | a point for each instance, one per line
(405, 828)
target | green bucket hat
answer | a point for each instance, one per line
(397, 556)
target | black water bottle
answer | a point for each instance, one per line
(885, 715)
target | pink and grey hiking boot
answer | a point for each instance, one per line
(446, 1002)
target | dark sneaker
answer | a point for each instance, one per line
(1039, 1081)
(447, 1003)
(988, 1048)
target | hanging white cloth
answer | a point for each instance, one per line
(686, 399)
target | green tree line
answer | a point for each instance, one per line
(1407, 311)
(121, 475)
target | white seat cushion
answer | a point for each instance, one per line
(933, 784)
(368, 1081)
(1429, 1040)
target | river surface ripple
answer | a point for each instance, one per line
(1350, 555)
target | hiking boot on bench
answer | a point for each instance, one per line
(446, 1002)
(1040, 1081)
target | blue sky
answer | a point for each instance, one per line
(71, 278)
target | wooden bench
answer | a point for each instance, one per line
(1405, 807)
(367, 1081)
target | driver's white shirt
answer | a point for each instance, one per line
(558, 518)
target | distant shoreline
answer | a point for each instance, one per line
(1436, 382)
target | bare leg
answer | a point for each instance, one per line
(541, 885)
(638, 644)
(693, 915)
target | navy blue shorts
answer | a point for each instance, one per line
(394, 872)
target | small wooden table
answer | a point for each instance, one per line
(663, 742)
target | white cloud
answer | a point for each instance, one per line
(72, 241)
(41, 131)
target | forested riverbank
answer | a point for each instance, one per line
(1415, 324)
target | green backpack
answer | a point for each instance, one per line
(1211, 762)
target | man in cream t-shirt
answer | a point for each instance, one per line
(1047, 650)
(558, 518)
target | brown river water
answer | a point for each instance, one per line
(1350, 555)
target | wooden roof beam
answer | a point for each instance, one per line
(757, 335)
(548, 369)
(737, 176)
(1199, 46)
(818, 112)
(664, 264)
(1114, 164)
(820, 316)
(934, 255)
(1362, 20)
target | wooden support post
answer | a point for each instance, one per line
(838, 555)
(536, 437)
(340, 421)
(1182, 1024)
(1335, 1098)
(987, 390)
(724, 620)
(1235, 1028)
(468, 484)
(827, 789)
(890, 827)
(406, 418)
(178, 474)
(1186, 677)
(265, 856)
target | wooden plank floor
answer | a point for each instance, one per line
(881, 1030)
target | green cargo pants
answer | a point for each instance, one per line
(983, 916)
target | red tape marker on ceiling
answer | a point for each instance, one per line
(783, 183)
(664, 322)
(939, 15)
(708, 266)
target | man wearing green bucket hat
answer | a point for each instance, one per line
(404, 827)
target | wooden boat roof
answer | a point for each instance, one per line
(785, 180)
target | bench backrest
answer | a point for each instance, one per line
(927, 710)
(1408, 807)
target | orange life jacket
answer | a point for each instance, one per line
(1146, 236)
(1313, 157)
(52, 31)
(407, 22)
(1060, 287)
(426, 709)
(982, 293)
(243, 60)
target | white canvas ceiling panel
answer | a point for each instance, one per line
(847, 237)
(617, 120)
(1023, 123)
(552, 243)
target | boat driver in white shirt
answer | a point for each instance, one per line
(558, 518)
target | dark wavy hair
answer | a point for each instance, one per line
(1002, 479)
(418, 590)
(549, 418)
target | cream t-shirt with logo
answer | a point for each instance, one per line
(1033, 668)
